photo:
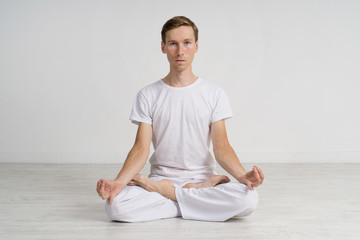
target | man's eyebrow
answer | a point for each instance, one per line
(185, 40)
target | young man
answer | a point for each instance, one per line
(181, 114)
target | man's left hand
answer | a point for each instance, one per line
(253, 178)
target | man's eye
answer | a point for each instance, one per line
(187, 43)
(172, 44)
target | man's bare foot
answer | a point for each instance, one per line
(211, 182)
(165, 187)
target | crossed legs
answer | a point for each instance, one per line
(166, 188)
(147, 199)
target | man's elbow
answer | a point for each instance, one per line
(141, 149)
(221, 149)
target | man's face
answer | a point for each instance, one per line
(180, 47)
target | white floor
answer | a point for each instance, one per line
(297, 201)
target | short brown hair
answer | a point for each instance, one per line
(176, 22)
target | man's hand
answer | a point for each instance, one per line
(253, 178)
(108, 189)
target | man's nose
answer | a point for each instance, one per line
(180, 49)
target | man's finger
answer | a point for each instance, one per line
(249, 185)
(111, 199)
(261, 175)
(102, 185)
(257, 175)
(102, 192)
(98, 186)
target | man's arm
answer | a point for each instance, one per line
(226, 157)
(138, 155)
(134, 162)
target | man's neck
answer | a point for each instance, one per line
(180, 79)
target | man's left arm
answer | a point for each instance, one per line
(226, 157)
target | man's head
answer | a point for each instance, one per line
(176, 22)
(179, 42)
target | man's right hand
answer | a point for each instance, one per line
(108, 189)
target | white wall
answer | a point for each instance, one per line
(70, 70)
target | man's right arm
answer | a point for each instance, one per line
(134, 162)
(138, 155)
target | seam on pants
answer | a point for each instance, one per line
(178, 198)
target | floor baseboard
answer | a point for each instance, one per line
(245, 157)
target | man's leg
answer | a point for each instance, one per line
(217, 203)
(166, 188)
(211, 182)
(134, 204)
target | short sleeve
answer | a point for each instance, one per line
(222, 108)
(141, 110)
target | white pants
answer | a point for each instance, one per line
(219, 203)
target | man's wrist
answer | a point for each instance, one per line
(120, 181)
(240, 176)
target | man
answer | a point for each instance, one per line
(181, 114)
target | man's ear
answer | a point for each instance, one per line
(163, 47)
(197, 45)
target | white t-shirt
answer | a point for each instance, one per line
(181, 118)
